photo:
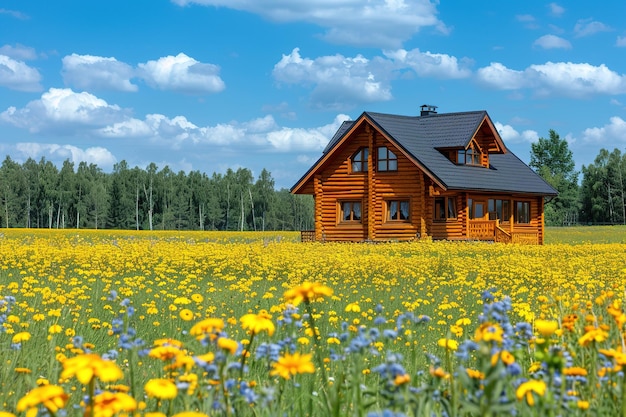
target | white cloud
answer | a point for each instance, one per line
(588, 27)
(182, 73)
(427, 64)
(381, 23)
(19, 52)
(16, 75)
(614, 132)
(88, 72)
(561, 78)
(621, 41)
(94, 155)
(60, 109)
(552, 42)
(501, 77)
(510, 135)
(556, 10)
(289, 139)
(338, 81)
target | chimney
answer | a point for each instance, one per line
(427, 110)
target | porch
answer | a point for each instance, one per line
(491, 230)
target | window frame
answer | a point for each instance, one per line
(363, 153)
(524, 213)
(501, 209)
(351, 220)
(443, 206)
(398, 202)
(388, 159)
(471, 156)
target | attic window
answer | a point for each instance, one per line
(387, 160)
(469, 156)
(359, 160)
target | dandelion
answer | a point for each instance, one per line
(546, 327)
(87, 366)
(186, 314)
(52, 397)
(55, 329)
(163, 389)
(295, 364)
(207, 327)
(108, 404)
(526, 390)
(449, 344)
(594, 334)
(307, 292)
(228, 345)
(257, 323)
(20, 337)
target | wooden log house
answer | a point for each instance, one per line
(386, 177)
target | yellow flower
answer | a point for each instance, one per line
(52, 397)
(526, 390)
(575, 371)
(163, 389)
(402, 379)
(228, 345)
(546, 327)
(489, 332)
(108, 404)
(593, 335)
(165, 352)
(209, 326)
(505, 356)
(55, 328)
(198, 298)
(307, 292)
(583, 405)
(256, 323)
(88, 366)
(20, 337)
(6, 414)
(23, 370)
(186, 314)
(353, 307)
(449, 344)
(289, 365)
(475, 374)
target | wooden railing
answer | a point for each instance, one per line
(528, 238)
(502, 235)
(307, 235)
(482, 230)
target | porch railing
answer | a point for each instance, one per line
(307, 235)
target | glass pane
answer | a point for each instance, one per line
(479, 210)
(356, 166)
(476, 159)
(499, 209)
(451, 207)
(356, 208)
(460, 157)
(393, 210)
(393, 165)
(440, 210)
(471, 208)
(346, 211)
(506, 210)
(404, 210)
(382, 165)
(382, 153)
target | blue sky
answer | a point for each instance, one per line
(215, 84)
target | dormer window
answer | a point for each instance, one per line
(387, 160)
(359, 160)
(469, 156)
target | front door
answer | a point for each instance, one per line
(478, 209)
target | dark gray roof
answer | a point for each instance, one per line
(423, 136)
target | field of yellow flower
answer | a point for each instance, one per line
(103, 323)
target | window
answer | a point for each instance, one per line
(499, 209)
(359, 160)
(469, 156)
(398, 210)
(387, 160)
(445, 208)
(477, 209)
(351, 211)
(522, 212)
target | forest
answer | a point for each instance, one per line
(41, 195)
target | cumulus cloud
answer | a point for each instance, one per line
(182, 73)
(588, 27)
(288, 139)
(510, 135)
(338, 81)
(380, 23)
(16, 75)
(427, 64)
(19, 52)
(561, 78)
(556, 10)
(552, 42)
(62, 108)
(613, 132)
(89, 72)
(94, 155)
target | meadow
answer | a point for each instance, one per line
(102, 323)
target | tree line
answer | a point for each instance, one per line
(40, 195)
(599, 198)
